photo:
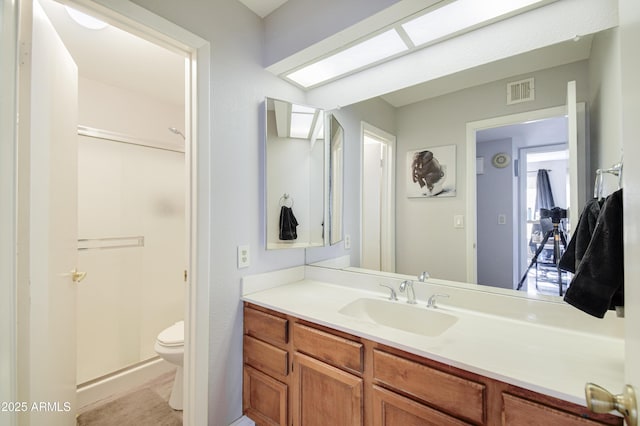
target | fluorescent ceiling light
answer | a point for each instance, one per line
(85, 20)
(366, 53)
(460, 15)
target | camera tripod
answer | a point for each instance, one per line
(557, 238)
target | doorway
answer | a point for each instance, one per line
(143, 23)
(378, 199)
(577, 140)
(543, 184)
(506, 194)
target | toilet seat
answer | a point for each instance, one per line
(172, 336)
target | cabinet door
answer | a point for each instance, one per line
(390, 409)
(517, 411)
(264, 399)
(325, 395)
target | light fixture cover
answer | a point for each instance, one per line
(360, 55)
(460, 15)
(85, 20)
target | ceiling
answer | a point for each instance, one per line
(263, 7)
(118, 58)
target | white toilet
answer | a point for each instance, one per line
(170, 346)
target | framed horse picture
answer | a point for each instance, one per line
(431, 172)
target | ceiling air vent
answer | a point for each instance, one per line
(520, 91)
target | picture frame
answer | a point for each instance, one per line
(431, 172)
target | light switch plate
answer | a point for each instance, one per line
(458, 221)
(243, 257)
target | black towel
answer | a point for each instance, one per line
(288, 224)
(598, 284)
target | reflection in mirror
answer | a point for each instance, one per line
(432, 234)
(509, 198)
(295, 175)
(336, 173)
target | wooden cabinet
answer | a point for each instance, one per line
(391, 409)
(265, 387)
(325, 395)
(301, 374)
(442, 390)
(265, 400)
(524, 412)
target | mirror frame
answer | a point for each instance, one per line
(336, 179)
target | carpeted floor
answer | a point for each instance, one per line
(144, 406)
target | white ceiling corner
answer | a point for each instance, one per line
(263, 8)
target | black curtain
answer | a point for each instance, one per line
(544, 200)
(544, 195)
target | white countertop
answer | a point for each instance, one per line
(550, 360)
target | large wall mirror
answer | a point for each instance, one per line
(432, 232)
(296, 196)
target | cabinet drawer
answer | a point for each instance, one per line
(264, 399)
(390, 409)
(519, 411)
(266, 358)
(264, 326)
(334, 350)
(460, 397)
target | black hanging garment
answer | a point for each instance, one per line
(288, 224)
(598, 283)
(544, 200)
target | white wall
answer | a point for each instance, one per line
(495, 196)
(112, 108)
(605, 90)
(442, 121)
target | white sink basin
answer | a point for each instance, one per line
(412, 318)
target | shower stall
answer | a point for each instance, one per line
(131, 228)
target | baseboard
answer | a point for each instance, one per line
(121, 382)
(243, 421)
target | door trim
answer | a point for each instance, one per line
(388, 199)
(472, 128)
(8, 214)
(137, 20)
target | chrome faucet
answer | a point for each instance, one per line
(431, 302)
(423, 276)
(407, 286)
(393, 295)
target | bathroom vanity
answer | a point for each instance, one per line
(319, 353)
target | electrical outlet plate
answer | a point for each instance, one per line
(243, 257)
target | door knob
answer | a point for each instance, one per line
(600, 400)
(77, 276)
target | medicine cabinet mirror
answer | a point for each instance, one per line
(296, 164)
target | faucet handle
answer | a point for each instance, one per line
(431, 302)
(392, 295)
(423, 276)
(404, 284)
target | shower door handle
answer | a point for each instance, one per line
(77, 276)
